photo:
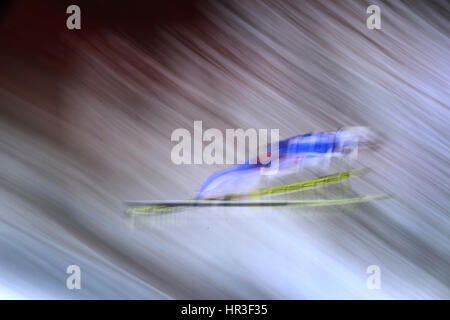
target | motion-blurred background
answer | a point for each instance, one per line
(86, 119)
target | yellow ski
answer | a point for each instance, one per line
(164, 206)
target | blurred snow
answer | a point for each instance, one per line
(86, 130)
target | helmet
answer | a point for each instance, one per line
(348, 138)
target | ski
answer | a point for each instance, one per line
(303, 185)
(159, 205)
(234, 200)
